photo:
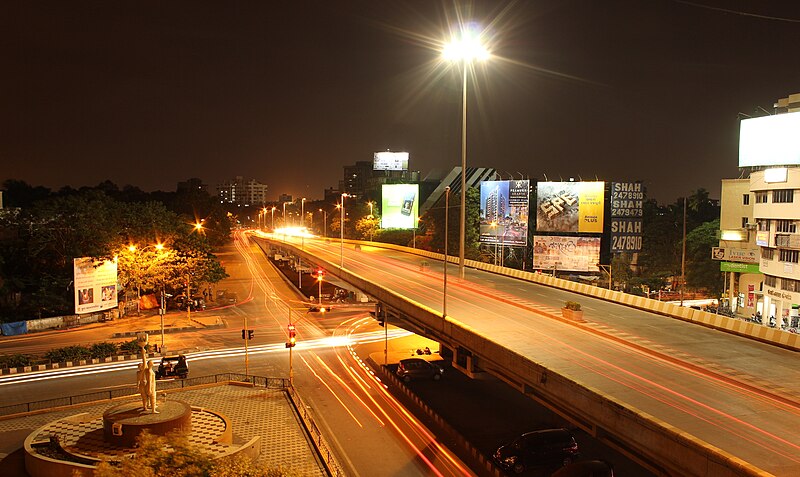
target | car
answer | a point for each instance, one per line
(417, 368)
(586, 468)
(547, 447)
(173, 367)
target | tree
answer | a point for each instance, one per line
(367, 227)
(702, 271)
(435, 217)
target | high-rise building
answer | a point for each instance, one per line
(242, 192)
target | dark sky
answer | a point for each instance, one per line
(151, 93)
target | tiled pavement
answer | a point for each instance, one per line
(251, 412)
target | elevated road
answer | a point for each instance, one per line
(681, 399)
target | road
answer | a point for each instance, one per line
(738, 395)
(373, 434)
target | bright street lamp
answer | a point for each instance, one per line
(464, 50)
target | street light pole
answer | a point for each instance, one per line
(465, 50)
(273, 218)
(341, 232)
(324, 222)
(302, 223)
(446, 220)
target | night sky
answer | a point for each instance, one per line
(152, 93)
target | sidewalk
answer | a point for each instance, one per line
(252, 412)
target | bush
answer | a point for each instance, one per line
(132, 347)
(103, 350)
(68, 353)
(15, 361)
(572, 305)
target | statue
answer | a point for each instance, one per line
(151, 388)
(146, 376)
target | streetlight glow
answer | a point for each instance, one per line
(467, 48)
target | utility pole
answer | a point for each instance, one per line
(683, 253)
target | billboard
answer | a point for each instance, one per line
(734, 254)
(626, 201)
(390, 161)
(570, 207)
(400, 206)
(552, 252)
(770, 140)
(504, 212)
(95, 285)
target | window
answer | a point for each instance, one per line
(789, 256)
(783, 196)
(763, 225)
(768, 253)
(744, 222)
(790, 285)
(746, 199)
(761, 197)
(770, 281)
(787, 226)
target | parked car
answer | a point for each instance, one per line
(548, 447)
(417, 368)
(173, 367)
(586, 468)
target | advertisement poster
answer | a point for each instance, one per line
(400, 206)
(626, 205)
(504, 212)
(570, 207)
(390, 161)
(580, 254)
(95, 285)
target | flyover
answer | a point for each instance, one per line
(680, 399)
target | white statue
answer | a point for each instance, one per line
(141, 383)
(151, 388)
(146, 377)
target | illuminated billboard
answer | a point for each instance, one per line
(570, 207)
(578, 254)
(95, 285)
(770, 140)
(504, 212)
(400, 206)
(390, 161)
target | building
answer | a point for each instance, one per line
(192, 185)
(738, 253)
(776, 214)
(242, 192)
(759, 245)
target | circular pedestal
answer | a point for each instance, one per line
(124, 422)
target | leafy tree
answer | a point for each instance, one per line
(701, 270)
(367, 227)
(435, 218)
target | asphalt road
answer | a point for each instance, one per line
(738, 395)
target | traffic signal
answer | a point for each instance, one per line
(247, 334)
(292, 336)
(244, 332)
(378, 314)
(320, 274)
